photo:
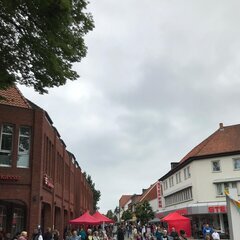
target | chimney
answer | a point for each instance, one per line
(173, 165)
(221, 128)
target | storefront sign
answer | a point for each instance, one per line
(217, 209)
(48, 181)
(12, 178)
(182, 211)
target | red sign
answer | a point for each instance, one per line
(159, 195)
(48, 181)
(10, 178)
(182, 211)
(217, 209)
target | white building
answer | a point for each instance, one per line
(195, 186)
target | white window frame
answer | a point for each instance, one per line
(165, 184)
(9, 152)
(27, 152)
(224, 186)
(186, 172)
(234, 160)
(178, 177)
(171, 183)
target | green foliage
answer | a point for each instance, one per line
(127, 215)
(110, 214)
(144, 212)
(40, 40)
(96, 193)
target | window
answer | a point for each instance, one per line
(3, 217)
(23, 147)
(216, 166)
(178, 197)
(18, 219)
(171, 181)
(178, 177)
(165, 185)
(187, 173)
(236, 163)
(221, 187)
(6, 140)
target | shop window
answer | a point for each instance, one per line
(3, 217)
(6, 142)
(216, 166)
(23, 147)
(18, 219)
(236, 164)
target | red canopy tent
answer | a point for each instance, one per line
(86, 218)
(102, 218)
(179, 222)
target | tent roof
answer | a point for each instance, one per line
(86, 218)
(102, 218)
(155, 220)
(174, 217)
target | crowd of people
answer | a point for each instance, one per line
(150, 232)
(36, 235)
(160, 232)
(112, 232)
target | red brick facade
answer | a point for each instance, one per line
(52, 189)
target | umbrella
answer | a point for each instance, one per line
(103, 219)
(86, 218)
(155, 220)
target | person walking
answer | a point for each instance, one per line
(158, 234)
(23, 236)
(120, 233)
(37, 234)
(174, 234)
(183, 235)
(75, 236)
(215, 235)
(48, 234)
(207, 231)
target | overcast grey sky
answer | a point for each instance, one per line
(158, 79)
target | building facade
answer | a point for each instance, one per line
(41, 182)
(195, 186)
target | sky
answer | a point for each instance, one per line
(158, 79)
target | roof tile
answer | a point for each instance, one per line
(13, 97)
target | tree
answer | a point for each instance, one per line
(144, 212)
(110, 214)
(96, 193)
(40, 40)
(127, 215)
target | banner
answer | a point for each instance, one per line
(235, 202)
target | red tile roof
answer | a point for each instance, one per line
(13, 97)
(150, 193)
(123, 200)
(224, 140)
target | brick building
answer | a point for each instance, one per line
(41, 183)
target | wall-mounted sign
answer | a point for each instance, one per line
(12, 178)
(47, 181)
(217, 209)
(159, 194)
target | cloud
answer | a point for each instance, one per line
(158, 78)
